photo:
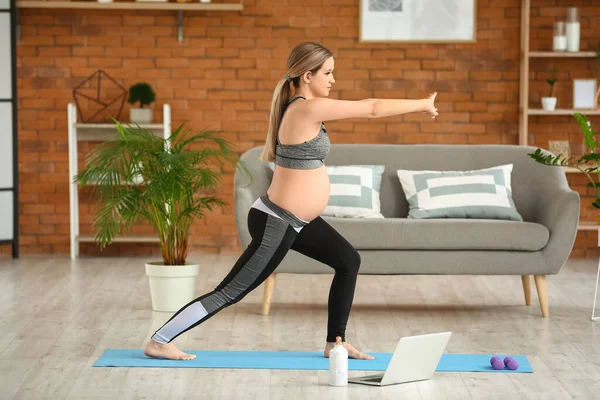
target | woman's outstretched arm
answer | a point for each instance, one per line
(323, 109)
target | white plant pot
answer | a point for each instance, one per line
(549, 103)
(171, 286)
(140, 115)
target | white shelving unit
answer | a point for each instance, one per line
(524, 110)
(526, 55)
(98, 132)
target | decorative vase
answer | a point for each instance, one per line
(140, 115)
(171, 286)
(549, 103)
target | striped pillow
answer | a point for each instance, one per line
(482, 194)
(354, 191)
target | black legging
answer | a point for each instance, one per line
(272, 238)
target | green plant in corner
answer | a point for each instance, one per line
(588, 163)
(141, 93)
(140, 176)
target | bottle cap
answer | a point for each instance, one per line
(338, 340)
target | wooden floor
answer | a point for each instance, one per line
(57, 317)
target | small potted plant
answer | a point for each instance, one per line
(549, 103)
(587, 164)
(143, 94)
(140, 176)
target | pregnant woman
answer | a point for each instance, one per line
(287, 216)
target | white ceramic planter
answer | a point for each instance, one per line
(549, 103)
(171, 286)
(140, 115)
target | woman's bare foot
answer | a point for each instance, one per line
(169, 351)
(352, 352)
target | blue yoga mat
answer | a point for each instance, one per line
(294, 360)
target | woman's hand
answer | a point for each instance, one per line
(429, 107)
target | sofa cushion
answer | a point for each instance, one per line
(484, 193)
(437, 234)
(354, 191)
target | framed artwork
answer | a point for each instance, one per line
(560, 147)
(423, 21)
(584, 93)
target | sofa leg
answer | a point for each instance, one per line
(527, 288)
(540, 284)
(269, 288)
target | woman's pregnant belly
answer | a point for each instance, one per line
(304, 193)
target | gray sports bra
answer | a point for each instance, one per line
(307, 155)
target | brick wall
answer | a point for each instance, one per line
(223, 73)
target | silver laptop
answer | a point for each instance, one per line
(415, 359)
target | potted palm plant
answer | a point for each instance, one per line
(143, 94)
(140, 176)
(587, 164)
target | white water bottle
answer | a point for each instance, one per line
(338, 364)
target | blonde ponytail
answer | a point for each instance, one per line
(281, 95)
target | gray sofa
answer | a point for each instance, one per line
(538, 246)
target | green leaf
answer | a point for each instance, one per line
(588, 133)
(590, 157)
(548, 159)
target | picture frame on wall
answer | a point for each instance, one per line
(417, 21)
(584, 94)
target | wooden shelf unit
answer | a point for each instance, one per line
(131, 5)
(587, 226)
(524, 110)
(97, 132)
(526, 55)
(563, 111)
(561, 54)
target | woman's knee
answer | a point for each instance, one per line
(351, 261)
